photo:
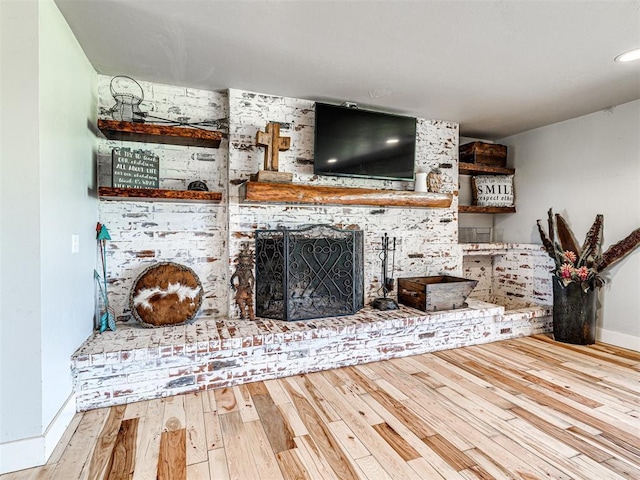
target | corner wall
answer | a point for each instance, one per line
(68, 205)
(46, 172)
(582, 167)
(20, 311)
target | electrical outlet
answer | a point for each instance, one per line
(75, 243)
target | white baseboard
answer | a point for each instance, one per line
(21, 454)
(58, 425)
(35, 451)
(618, 339)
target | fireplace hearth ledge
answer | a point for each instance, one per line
(134, 363)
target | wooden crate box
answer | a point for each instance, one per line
(484, 153)
(434, 294)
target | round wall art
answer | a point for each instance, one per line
(165, 293)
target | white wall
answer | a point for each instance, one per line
(20, 389)
(582, 167)
(46, 298)
(67, 202)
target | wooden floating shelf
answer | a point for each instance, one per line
(151, 194)
(481, 169)
(150, 133)
(477, 209)
(324, 195)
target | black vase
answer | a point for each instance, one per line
(574, 313)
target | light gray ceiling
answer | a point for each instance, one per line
(496, 67)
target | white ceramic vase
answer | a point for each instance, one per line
(421, 182)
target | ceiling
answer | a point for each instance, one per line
(496, 67)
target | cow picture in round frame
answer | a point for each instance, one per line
(165, 293)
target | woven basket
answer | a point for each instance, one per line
(165, 293)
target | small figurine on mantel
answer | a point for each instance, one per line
(242, 282)
(274, 144)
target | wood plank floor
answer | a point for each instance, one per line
(526, 408)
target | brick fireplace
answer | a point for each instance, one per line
(209, 237)
(218, 349)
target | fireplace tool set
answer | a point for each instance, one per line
(384, 302)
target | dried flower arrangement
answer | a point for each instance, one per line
(586, 263)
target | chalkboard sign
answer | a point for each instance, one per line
(135, 169)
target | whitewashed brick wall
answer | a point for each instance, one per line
(208, 237)
(511, 275)
(193, 234)
(426, 238)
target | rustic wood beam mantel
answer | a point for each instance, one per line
(326, 195)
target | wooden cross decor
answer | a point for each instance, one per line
(275, 144)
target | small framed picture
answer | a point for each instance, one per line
(135, 168)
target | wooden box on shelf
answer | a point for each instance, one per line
(483, 153)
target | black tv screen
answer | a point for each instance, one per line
(361, 143)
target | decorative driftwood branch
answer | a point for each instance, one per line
(551, 222)
(546, 241)
(565, 235)
(561, 239)
(617, 252)
(592, 247)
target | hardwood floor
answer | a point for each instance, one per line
(526, 408)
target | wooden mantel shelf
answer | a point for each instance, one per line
(481, 169)
(477, 209)
(150, 133)
(151, 194)
(323, 195)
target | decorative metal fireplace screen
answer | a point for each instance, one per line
(313, 272)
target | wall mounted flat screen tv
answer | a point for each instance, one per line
(362, 143)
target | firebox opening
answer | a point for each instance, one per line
(312, 272)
